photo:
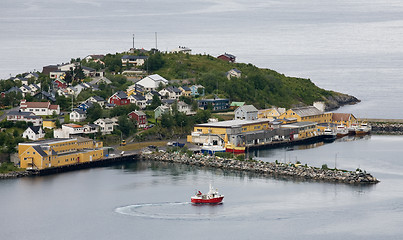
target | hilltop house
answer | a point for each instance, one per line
(39, 108)
(233, 73)
(134, 60)
(182, 49)
(119, 98)
(34, 133)
(152, 82)
(140, 117)
(227, 57)
(139, 100)
(78, 115)
(186, 91)
(170, 92)
(24, 116)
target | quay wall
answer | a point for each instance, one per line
(267, 168)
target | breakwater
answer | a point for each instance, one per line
(15, 174)
(385, 126)
(267, 168)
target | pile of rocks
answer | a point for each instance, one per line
(387, 128)
(16, 174)
(267, 168)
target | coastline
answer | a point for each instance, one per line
(269, 169)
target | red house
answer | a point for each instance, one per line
(119, 98)
(58, 83)
(227, 57)
(140, 117)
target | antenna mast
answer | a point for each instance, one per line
(133, 42)
(156, 45)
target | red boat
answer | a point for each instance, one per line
(212, 197)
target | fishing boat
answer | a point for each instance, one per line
(352, 129)
(341, 131)
(212, 197)
(234, 149)
(363, 129)
(329, 135)
(211, 149)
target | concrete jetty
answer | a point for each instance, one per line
(267, 168)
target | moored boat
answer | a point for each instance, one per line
(329, 135)
(211, 149)
(341, 131)
(363, 129)
(212, 197)
(234, 149)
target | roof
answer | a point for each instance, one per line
(233, 123)
(72, 125)
(138, 97)
(120, 94)
(13, 89)
(24, 105)
(307, 111)
(100, 79)
(168, 101)
(237, 104)
(35, 129)
(186, 88)
(96, 56)
(138, 113)
(98, 98)
(133, 58)
(248, 108)
(341, 116)
(39, 150)
(173, 89)
(235, 70)
(80, 111)
(88, 69)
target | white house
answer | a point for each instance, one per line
(67, 130)
(170, 93)
(233, 73)
(34, 133)
(182, 49)
(39, 108)
(105, 124)
(246, 112)
(96, 99)
(26, 90)
(135, 60)
(68, 66)
(185, 108)
(152, 82)
(139, 100)
(78, 115)
(25, 116)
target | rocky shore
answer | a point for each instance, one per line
(338, 100)
(387, 128)
(16, 174)
(267, 168)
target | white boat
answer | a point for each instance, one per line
(341, 131)
(363, 129)
(211, 149)
(329, 135)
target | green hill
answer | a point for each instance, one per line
(260, 87)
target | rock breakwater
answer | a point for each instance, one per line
(267, 168)
(16, 174)
(387, 128)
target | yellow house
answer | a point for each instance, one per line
(346, 119)
(186, 91)
(58, 152)
(49, 123)
(270, 113)
(307, 114)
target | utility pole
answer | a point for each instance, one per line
(156, 41)
(133, 42)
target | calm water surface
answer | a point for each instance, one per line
(148, 200)
(348, 46)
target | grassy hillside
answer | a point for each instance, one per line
(261, 87)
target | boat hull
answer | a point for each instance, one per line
(236, 150)
(207, 201)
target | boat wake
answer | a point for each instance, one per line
(172, 211)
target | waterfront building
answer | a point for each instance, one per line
(58, 152)
(270, 113)
(307, 114)
(346, 119)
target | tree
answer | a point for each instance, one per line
(95, 112)
(155, 102)
(154, 62)
(126, 126)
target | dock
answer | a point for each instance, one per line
(107, 161)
